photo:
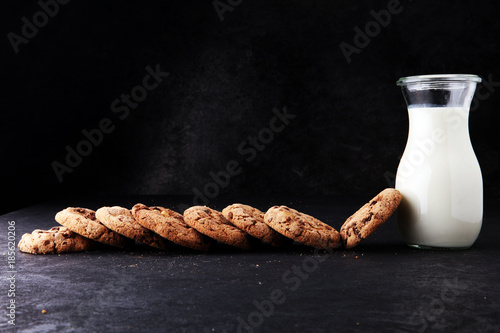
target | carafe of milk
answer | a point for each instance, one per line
(439, 175)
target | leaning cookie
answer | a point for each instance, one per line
(251, 220)
(55, 240)
(302, 228)
(122, 221)
(369, 217)
(171, 225)
(84, 222)
(213, 224)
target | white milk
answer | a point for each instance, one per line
(440, 180)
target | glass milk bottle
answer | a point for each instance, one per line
(439, 175)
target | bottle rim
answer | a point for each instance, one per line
(434, 78)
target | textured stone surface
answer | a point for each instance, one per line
(181, 291)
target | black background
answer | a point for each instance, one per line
(225, 78)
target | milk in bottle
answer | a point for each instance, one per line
(439, 175)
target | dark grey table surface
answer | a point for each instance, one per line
(380, 286)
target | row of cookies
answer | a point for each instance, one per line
(200, 227)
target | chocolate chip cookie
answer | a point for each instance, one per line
(251, 220)
(213, 224)
(171, 225)
(369, 217)
(55, 240)
(122, 221)
(84, 222)
(302, 228)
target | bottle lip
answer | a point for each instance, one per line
(438, 78)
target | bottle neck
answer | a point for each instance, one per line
(449, 125)
(439, 94)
